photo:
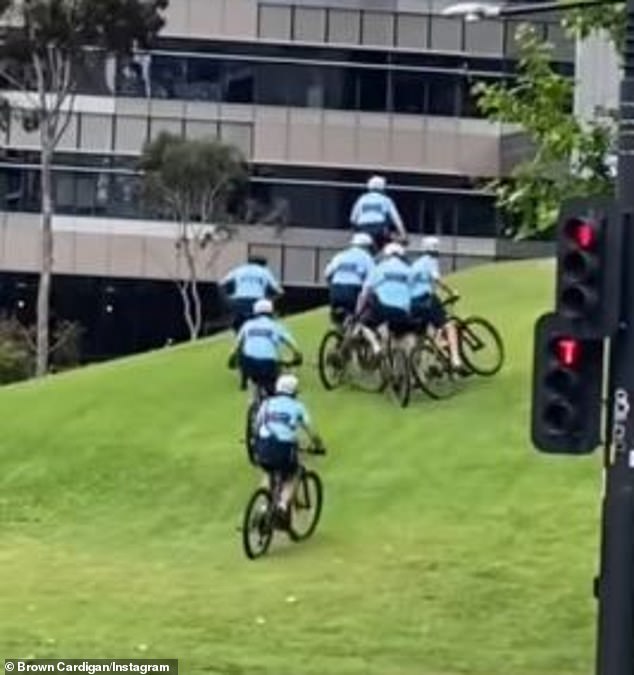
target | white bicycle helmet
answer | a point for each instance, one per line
(362, 239)
(430, 244)
(377, 183)
(263, 306)
(393, 249)
(287, 384)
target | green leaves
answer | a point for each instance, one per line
(191, 180)
(568, 156)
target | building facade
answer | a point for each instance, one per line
(317, 94)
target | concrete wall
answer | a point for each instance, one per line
(145, 249)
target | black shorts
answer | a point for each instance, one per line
(343, 301)
(242, 310)
(398, 320)
(262, 372)
(380, 233)
(428, 310)
(277, 457)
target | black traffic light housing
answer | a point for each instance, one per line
(567, 388)
(588, 268)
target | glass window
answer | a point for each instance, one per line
(134, 75)
(468, 102)
(275, 22)
(310, 24)
(344, 26)
(203, 80)
(168, 76)
(238, 82)
(86, 185)
(484, 37)
(64, 187)
(96, 74)
(563, 44)
(439, 214)
(372, 89)
(441, 94)
(412, 31)
(306, 86)
(377, 28)
(273, 86)
(341, 88)
(408, 92)
(476, 216)
(446, 34)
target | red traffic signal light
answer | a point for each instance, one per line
(568, 351)
(567, 388)
(588, 273)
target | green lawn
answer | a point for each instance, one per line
(447, 545)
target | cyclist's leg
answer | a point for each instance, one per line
(371, 321)
(289, 470)
(447, 330)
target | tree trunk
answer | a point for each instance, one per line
(183, 288)
(46, 265)
(198, 311)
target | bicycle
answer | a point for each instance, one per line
(260, 516)
(260, 393)
(475, 335)
(340, 351)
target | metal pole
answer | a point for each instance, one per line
(615, 647)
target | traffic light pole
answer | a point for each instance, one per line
(615, 649)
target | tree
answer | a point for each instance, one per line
(43, 46)
(192, 182)
(569, 158)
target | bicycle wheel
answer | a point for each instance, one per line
(257, 527)
(306, 507)
(481, 346)
(249, 433)
(398, 368)
(431, 370)
(368, 375)
(331, 362)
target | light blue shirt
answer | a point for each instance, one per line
(375, 208)
(281, 417)
(425, 272)
(263, 338)
(251, 281)
(391, 282)
(350, 267)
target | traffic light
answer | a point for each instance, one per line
(567, 389)
(588, 272)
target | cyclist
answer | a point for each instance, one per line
(376, 214)
(346, 273)
(278, 423)
(258, 347)
(386, 296)
(245, 285)
(427, 309)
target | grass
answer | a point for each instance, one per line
(447, 546)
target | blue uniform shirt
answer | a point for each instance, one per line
(425, 272)
(251, 281)
(262, 338)
(350, 267)
(391, 282)
(374, 208)
(281, 417)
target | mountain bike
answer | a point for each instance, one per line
(260, 520)
(480, 343)
(259, 393)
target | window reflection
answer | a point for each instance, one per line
(268, 201)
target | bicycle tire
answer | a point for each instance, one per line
(399, 376)
(334, 337)
(431, 370)
(302, 500)
(265, 527)
(474, 330)
(249, 432)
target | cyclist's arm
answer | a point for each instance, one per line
(354, 214)
(306, 424)
(397, 221)
(289, 341)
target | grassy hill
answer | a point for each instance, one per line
(447, 545)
